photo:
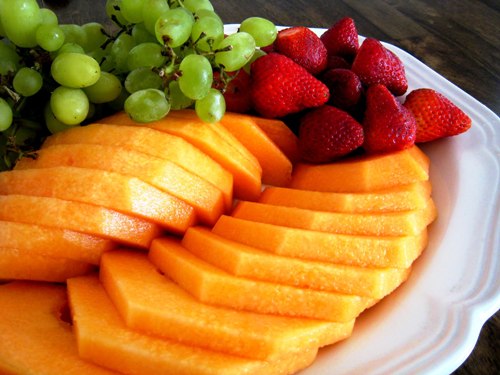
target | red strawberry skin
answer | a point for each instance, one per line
(436, 115)
(236, 92)
(388, 125)
(376, 64)
(281, 87)
(341, 39)
(345, 87)
(328, 133)
(304, 47)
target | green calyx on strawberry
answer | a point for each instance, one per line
(436, 115)
(328, 133)
(281, 87)
(388, 125)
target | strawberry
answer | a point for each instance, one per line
(236, 90)
(345, 87)
(337, 62)
(341, 39)
(327, 133)
(436, 115)
(388, 125)
(303, 46)
(374, 63)
(280, 87)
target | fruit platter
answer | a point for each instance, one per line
(191, 197)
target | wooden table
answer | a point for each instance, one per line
(459, 39)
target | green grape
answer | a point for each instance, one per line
(69, 105)
(151, 11)
(119, 51)
(174, 27)
(235, 51)
(147, 105)
(132, 10)
(141, 35)
(20, 19)
(257, 53)
(196, 76)
(52, 123)
(146, 54)
(263, 31)
(177, 98)
(212, 107)
(74, 34)
(107, 88)
(49, 17)
(203, 13)
(206, 33)
(119, 103)
(95, 36)
(75, 70)
(27, 81)
(6, 115)
(195, 5)
(142, 78)
(70, 48)
(114, 13)
(50, 37)
(103, 57)
(9, 59)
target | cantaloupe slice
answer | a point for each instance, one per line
(402, 223)
(80, 217)
(104, 339)
(399, 198)
(205, 198)
(36, 338)
(246, 171)
(168, 311)
(363, 173)
(276, 167)
(363, 251)
(111, 190)
(211, 285)
(246, 261)
(18, 264)
(151, 142)
(52, 242)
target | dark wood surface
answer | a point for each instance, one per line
(459, 39)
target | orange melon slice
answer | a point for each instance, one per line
(36, 339)
(111, 190)
(52, 242)
(276, 167)
(246, 261)
(168, 311)
(225, 149)
(364, 173)
(80, 217)
(363, 251)
(211, 285)
(18, 264)
(403, 223)
(151, 142)
(205, 198)
(104, 339)
(399, 198)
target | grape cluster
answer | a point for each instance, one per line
(160, 56)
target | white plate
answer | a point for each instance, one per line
(431, 323)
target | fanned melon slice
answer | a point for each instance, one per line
(211, 285)
(115, 191)
(246, 171)
(168, 311)
(276, 167)
(399, 198)
(245, 261)
(403, 223)
(205, 198)
(35, 339)
(104, 339)
(80, 217)
(363, 251)
(363, 173)
(18, 264)
(52, 242)
(151, 142)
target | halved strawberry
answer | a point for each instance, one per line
(436, 115)
(341, 39)
(388, 125)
